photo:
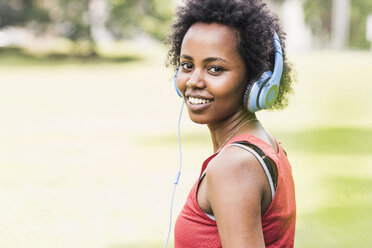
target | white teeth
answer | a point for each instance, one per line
(194, 100)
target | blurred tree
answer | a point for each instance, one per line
(126, 18)
(21, 11)
(340, 23)
(358, 21)
(74, 19)
(318, 15)
(131, 17)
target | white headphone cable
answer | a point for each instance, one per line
(178, 173)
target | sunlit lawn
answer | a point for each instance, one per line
(88, 152)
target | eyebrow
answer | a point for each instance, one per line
(207, 60)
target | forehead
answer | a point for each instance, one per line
(210, 39)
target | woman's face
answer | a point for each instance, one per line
(211, 76)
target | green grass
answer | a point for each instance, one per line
(88, 153)
(330, 141)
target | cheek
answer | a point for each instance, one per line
(232, 89)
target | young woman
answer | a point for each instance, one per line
(244, 196)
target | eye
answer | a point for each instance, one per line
(215, 69)
(186, 66)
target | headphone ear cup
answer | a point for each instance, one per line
(262, 93)
(175, 83)
(268, 95)
(252, 94)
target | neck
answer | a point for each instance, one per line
(221, 132)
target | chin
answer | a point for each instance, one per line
(199, 118)
(204, 119)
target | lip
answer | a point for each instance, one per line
(198, 107)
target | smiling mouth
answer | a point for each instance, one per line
(196, 101)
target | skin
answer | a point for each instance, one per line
(235, 189)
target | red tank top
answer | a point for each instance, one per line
(194, 228)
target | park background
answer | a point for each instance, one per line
(88, 131)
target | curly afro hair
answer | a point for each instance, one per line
(255, 24)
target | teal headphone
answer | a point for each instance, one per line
(260, 94)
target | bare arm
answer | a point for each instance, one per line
(237, 188)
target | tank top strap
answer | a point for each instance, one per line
(263, 145)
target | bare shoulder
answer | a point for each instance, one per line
(239, 165)
(236, 175)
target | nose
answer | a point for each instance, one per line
(196, 79)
